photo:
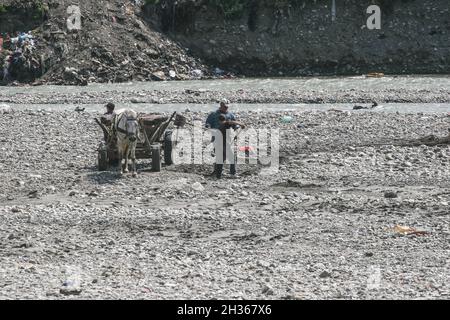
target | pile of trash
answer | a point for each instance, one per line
(18, 58)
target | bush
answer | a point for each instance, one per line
(149, 2)
(3, 9)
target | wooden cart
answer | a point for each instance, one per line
(155, 137)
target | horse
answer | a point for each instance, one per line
(126, 128)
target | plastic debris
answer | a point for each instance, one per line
(404, 230)
(286, 119)
(375, 75)
(197, 73)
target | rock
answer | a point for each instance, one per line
(71, 73)
(197, 186)
(5, 109)
(70, 291)
(158, 76)
(72, 193)
(11, 237)
(172, 74)
(33, 194)
(368, 254)
(267, 290)
(390, 195)
(51, 294)
(263, 263)
(359, 108)
(407, 164)
(325, 274)
(25, 245)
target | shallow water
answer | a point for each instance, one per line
(432, 82)
(168, 108)
(316, 84)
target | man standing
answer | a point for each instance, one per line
(222, 120)
(109, 115)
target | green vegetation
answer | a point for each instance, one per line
(231, 9)
(3, 9)
(151, 2)
(234, 9)
(39, 13)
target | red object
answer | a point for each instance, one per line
(246, 149)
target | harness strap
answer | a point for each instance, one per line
(117, 120)
(116, 126)
(121, 130)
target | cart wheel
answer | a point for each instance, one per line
(168, 148)
(156, 158)
(102, 160)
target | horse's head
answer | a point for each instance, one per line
(128, 124)
(132, 128)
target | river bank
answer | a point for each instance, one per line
(322, 228)
(399, 89)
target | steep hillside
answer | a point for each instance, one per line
(139, 40)
(307, 37)
(113, 44)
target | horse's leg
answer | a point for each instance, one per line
(133, 158)
(121, 159)
(127, 151)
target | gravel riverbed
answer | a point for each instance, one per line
(321, 228)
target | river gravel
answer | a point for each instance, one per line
(321, 228)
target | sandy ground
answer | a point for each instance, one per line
(322, 228)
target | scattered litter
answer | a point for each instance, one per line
(246, 149)
(375, 75)
(408, 231)
(19, 57)
(218, 71)
(286, 119)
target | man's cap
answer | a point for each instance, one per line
(225, 101)
(110, 105)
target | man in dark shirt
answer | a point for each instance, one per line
(108, 117)
(212, 121)
(109, 114)
(222, 120)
